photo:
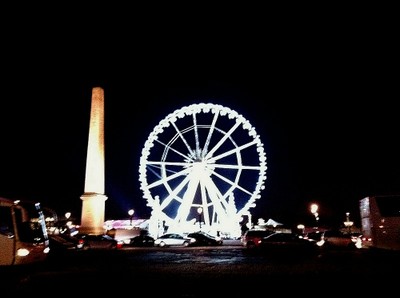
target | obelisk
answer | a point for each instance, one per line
(93, 205)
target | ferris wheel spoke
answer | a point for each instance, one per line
(165, 179)
(210, 133)
(174, 194)
(187, 199)
(235, 185)
(168, 163)
(232, 151)
(167, 148)
(223, 139)
(204, 203)
(216, 198)
(157, 169)
(196, 133)
(237, 167)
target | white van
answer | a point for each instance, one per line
(23, 234)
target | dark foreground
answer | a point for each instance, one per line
(196, 272)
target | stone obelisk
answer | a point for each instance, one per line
(93, 205)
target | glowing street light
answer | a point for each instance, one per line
(130, 212)
(314, 210)
(200, 211)
(348, 223)
(67, 215)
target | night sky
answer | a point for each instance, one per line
(323, 102)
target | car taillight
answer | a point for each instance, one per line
(80, 243)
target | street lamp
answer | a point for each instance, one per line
(68, 223)
(314, 210)
(200, 211)
(301, 228)
(348, 223)
(130, 212)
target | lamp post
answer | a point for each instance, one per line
(200, 211)
(314, 210)
(348, 223)
(130, 212)
(68, 223)
(301, 228)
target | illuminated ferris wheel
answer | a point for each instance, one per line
(203, 166)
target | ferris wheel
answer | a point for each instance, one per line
(203, 166)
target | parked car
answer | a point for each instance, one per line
(205, 239)
(173, 239)
(366, 241)
(89, 241)
(61, 242)
(317, 236)
(337, 239)
(288, 243)
(252, 238)
(142, 241)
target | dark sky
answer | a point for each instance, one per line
(324, 102)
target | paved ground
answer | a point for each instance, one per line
(198, 272)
